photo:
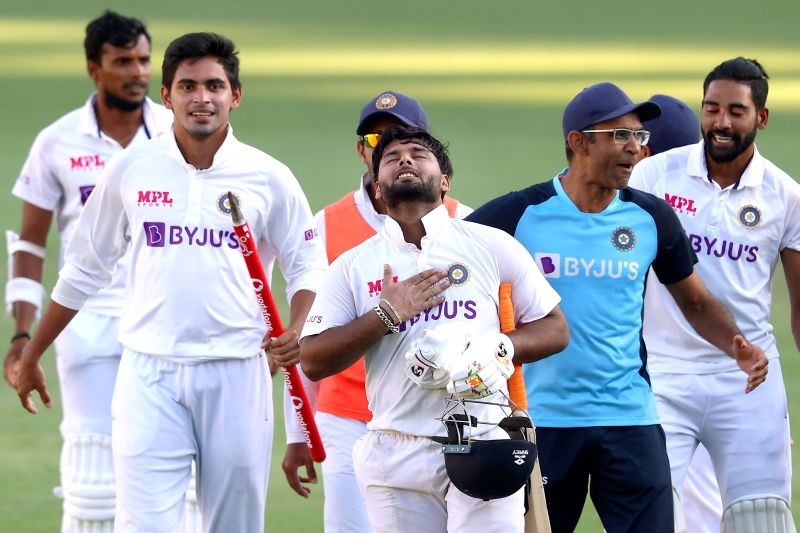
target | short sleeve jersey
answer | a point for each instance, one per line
(598, 263)
(478, 259)
(738, 234)
(63, 167)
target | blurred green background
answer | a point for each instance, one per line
(493, 77)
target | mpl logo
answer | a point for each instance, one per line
(549, 264)
(154, 199)
(375, 287)
(86, 162)
(681, 204)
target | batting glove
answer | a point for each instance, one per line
(483, 368)
(430, 356)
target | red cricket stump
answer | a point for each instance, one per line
(270, 313)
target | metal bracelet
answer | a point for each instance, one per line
(391, 310)
(386, 320)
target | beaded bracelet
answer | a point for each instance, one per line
(386, 320)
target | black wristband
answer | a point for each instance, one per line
(24, 334)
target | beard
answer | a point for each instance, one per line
(738, 146)
(114, 101)
(423, 192)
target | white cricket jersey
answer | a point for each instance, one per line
(188, 295)
(62, 168)
(479, 258)
(737, 234)
(367, 210)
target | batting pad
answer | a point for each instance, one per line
(761, 513)
(87, 484)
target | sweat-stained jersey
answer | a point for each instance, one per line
(598, 263)
(62, 168)
(188, 296)
(479, 260)
(738, 234)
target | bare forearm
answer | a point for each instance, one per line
(300, 305)
(337, 348)
(541, 338)
(712, 321)
(55, 319)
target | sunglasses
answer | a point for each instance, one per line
(371, 140)
(624, 135)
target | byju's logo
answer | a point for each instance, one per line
(154, 199)
(86, 190)
(155, 233)
(549, 264)
(310, 233)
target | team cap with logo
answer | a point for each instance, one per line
(601, 102)
(393, 104)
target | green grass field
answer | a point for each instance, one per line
(493, 77)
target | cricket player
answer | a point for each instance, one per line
(424, 271)
(61, 170)
(192, 381)
(341, 404)
(742, 215)
(595, 240)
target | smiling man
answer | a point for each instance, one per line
(434, 273)
(595, 241)
(193, 383)
(742, 214)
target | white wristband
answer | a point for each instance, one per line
(23, 290)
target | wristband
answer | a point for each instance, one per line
(386, 320)
(22, 335)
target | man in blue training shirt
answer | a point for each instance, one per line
(595, 241)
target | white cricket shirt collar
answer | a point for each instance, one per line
(753, 175)
(436, 223)
(87, 123)
(225, 154)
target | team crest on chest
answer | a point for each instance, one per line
(386, 101)
(750, 216)
(224, 205)
(458, 274)
(623, 238)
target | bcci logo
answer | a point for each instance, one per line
(386, 101)
(458, 274)
(623, 239)
(750, 216)
(224, 205)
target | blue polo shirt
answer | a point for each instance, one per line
(598, 263)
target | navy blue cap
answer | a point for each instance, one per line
(601, 102)
(677, 125)
(393, 104)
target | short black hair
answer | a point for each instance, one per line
(114, 29)
(741, 70)
(417, 135)
(198, 46)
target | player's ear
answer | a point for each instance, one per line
(165, 97)
(362, 152)
(445, 183)
(93, 69)
(578, 142)
(237, 97)
(762, 116)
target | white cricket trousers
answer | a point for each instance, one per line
(164, 415)
(746, 435)
(344, 509)
(406, 489)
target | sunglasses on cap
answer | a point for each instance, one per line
(624, 135)
(371, 140)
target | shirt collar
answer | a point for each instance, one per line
(87, 123)
(436, 224)
(225, 154)
(753, 175)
